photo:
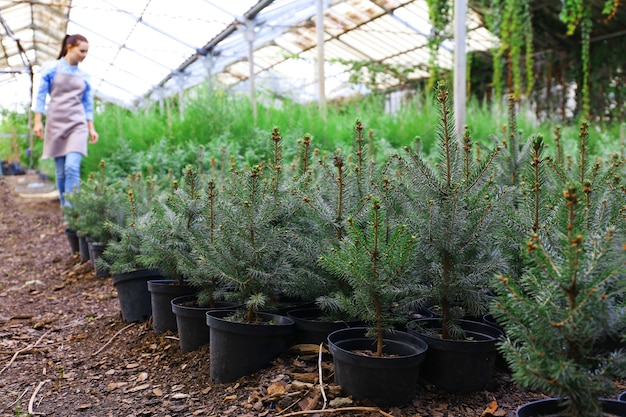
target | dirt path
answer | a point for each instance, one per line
(65, 351)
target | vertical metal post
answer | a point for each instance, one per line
(321, 75)
(31, 141)
(460, 15)
(180, 80)
(208, 64)
(250, 35)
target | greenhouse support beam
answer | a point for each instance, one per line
(250, 35)
(180, 81)
(321, 76)
(460, 15)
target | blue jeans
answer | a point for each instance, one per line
(67, 173)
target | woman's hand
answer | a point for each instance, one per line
(92, 133)
(94, 136)
(38, 126)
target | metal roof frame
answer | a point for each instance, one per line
(146, 49)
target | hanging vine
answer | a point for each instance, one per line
(511, 21)
(575, 13)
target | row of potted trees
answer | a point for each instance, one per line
(539, 243)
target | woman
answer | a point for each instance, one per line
(69, 117)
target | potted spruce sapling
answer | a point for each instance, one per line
(122, 252)
(247, 256)
(557, 314)
(190, 310)
(453, 207)
(121, 256)
(96, 202)
(166, 245)
(373, 259)
(331, 191)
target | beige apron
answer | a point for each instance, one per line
(66, 125)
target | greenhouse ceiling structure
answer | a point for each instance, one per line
(145, 50)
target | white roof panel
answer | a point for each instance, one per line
(152, 48)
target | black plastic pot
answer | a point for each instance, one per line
(390, 380)
(458, 366)
(162, 292)
(193, 331)
(501, 362)
(311, 328)
(96, 250)
(133, 294)
(72, 239)
(622, 397)
(239, 349)
(83, 248)
(552, 407)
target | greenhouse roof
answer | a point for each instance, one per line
(147, 49)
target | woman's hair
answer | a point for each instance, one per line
(70, 40)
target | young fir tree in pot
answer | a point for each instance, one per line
(557, 314)
(129, 275)
(166, 245)
(96, 202)
(166, 239)
(453, 207)
(247, 256)
(245, 249)
(332, 191)
(122, 252)
(374, 259)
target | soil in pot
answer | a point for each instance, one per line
(552, 407)
(133, 294)
(458, 366)
(193, 331)
(72, 239)
(389, 380)
(239, 349)
(162, 292)
(311, 325)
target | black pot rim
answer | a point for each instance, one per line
(312, 314)
(548, 406)
(138, 273)
(487, 332)
(178, 304)
(161, 282)
(418, 345)
(216, 319)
